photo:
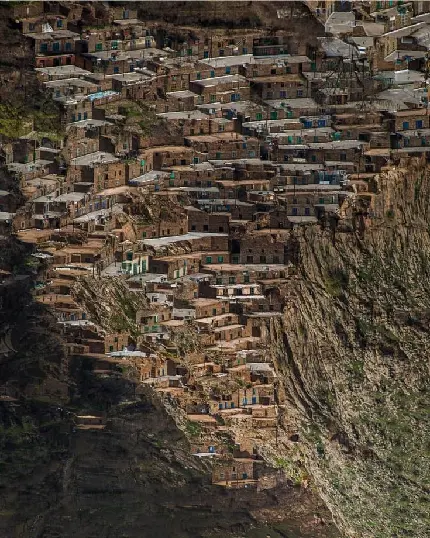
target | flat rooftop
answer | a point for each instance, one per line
(191, 236)
(93, 159)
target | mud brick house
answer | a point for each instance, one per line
(226, 45)
(23, 10)
(132, 263)
(412, 139)
(279, 87)
(102, 169)
(405, 120)
(54, 47)
(233, 473)
(88, 253)
(123, 13)
(224, 146)
(27, 171)
(162, 228)
(236, 273)
(291, 108)
(275, 65)
(271, 46)
(75, 108)
(48, 22)
(157, 367)
(224, 89)
(70, 86)
(150, 320)
(167, 156)
(192, 241)
(111, 62)
(201, 221)
(84, 137)
(190, 123)
(175, 266)
(261, 248)
(203, 308)
(263, 416)
(177, 101)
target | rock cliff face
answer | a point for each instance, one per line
(352, 355)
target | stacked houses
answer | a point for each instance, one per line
(182, 168)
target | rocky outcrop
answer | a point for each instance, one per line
(351, 352)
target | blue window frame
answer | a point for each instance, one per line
(405, 125)
(227, 70)
(56, 46)
(419, 124)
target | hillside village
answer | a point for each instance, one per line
(180, 166)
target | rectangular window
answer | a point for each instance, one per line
(213, 98)
(114, 45)
(44, 47)
(300, 93)
(206, 54)
(220, 259)
(212, 74)
(227, 70)
(405, 125)
(419, 124)
(68, 47)
(59, 23)
(283, 94)
(244, 50)
(208, 259)
(116, 70)
(99, 46)
(259, 116)
(218, 155)
(232, 280)
(221, 52)
(199, 76)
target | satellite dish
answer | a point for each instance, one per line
(46, 27)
